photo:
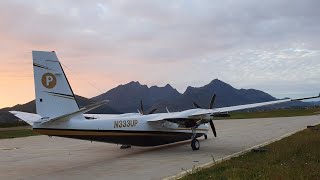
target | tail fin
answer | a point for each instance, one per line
(54, 96)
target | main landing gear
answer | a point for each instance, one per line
(195, 144)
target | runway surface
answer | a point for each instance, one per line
(41, 157)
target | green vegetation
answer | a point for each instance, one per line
(15, 133)
(275, 113)
(13, 124)
(294, 157)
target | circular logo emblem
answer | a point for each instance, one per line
(49, 80)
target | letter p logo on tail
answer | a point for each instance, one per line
(49, 81)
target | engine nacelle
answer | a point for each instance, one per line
(225, 114)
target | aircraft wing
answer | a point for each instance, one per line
(194, 115)
(247, 106)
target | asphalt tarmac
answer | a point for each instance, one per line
(41, 157)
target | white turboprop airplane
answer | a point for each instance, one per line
(58, 114)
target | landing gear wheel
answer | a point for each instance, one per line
(205, 136)
(195, 144)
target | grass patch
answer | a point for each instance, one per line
(274, 113)
(7, 134)
(13, 124)
(294, 157)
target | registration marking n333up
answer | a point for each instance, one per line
(125, 123)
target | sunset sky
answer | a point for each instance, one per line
(271, 45)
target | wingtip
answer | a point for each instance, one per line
(13, 112)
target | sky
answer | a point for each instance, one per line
(271, 45)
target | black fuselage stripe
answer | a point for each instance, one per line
(113, 131)
(134, 138)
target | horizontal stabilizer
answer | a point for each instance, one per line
(76, 113)
(29, 118)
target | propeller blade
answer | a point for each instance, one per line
(213, 99)
(141, 111)
(152, 111)
(141, 107)
(196, 105)
(213, 128)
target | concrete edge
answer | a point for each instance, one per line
(207, 165)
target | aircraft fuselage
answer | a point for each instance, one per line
(126, 129)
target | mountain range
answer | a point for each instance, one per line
(127, 97)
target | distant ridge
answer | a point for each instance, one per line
(226, 96)
(126, 98)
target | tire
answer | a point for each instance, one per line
(195, 144)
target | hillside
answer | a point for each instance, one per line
(126, 98)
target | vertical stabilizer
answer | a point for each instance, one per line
(54, 96)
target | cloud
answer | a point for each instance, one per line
(246, 43)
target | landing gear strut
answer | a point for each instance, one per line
(205, 136)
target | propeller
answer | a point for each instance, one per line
(213, 128)
(141, 107)
(213, 99)
(153, 111)
(167, 110)
(141, 111)
(196, 105)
